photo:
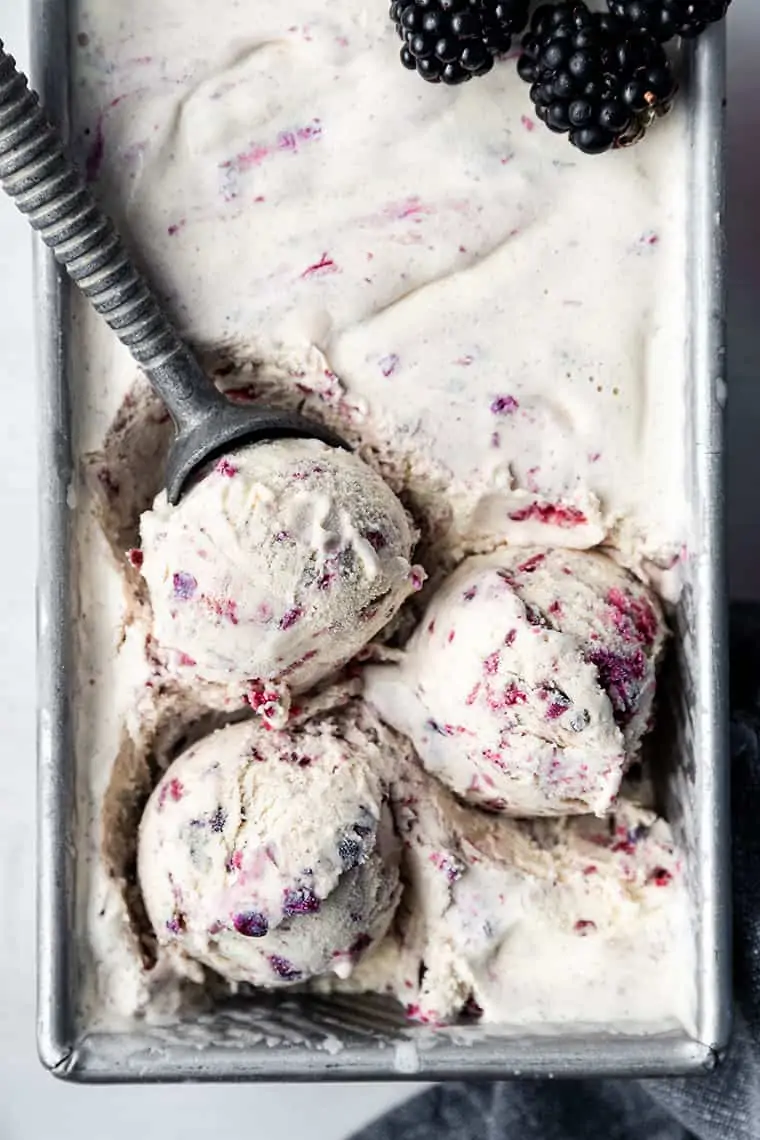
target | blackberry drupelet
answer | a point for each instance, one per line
(450, 41)
(665, 19)
(593, 76)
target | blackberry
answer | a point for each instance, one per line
(449, 41)
(594, 77)
(665, 19)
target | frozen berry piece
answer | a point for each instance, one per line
(251, 923)
(504, 405)
(300, 900)
(284, 969)
(226, 468)
(177, 924)
(355, 845)
(184, 585)
(622, 676)
(290, 617)
(584, 926)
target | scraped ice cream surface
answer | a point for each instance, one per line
(510, 374)
(279, 565)
(529, 681)
(271, 857)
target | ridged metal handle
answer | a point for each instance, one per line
(50, 191)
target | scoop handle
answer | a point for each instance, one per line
(49, 190)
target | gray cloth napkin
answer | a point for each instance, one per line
(724, 1105)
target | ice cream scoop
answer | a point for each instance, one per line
(278, 566)
(529, 682)
(48, 189)
(271, 857)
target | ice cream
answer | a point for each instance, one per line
(271, 857)
(516, 374)
(499, 911)
(529, 682)
(279, 565)
(512, 367)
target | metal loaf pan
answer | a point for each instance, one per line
(349, 1038)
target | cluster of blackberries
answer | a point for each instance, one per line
(594, 77)
(665, 19)
(600, 77)
(450, 41)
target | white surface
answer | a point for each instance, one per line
(32, 1104)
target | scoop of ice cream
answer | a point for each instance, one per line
(281, 564)
(496, 909)
(529, 682)
(271, 857)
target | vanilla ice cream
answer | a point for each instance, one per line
(516, 374)
(279, 565)
(497, 911)
(529, 682)
(271, 857)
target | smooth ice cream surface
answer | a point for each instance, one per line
(279, 565)
(529, 682)
(271, 857)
